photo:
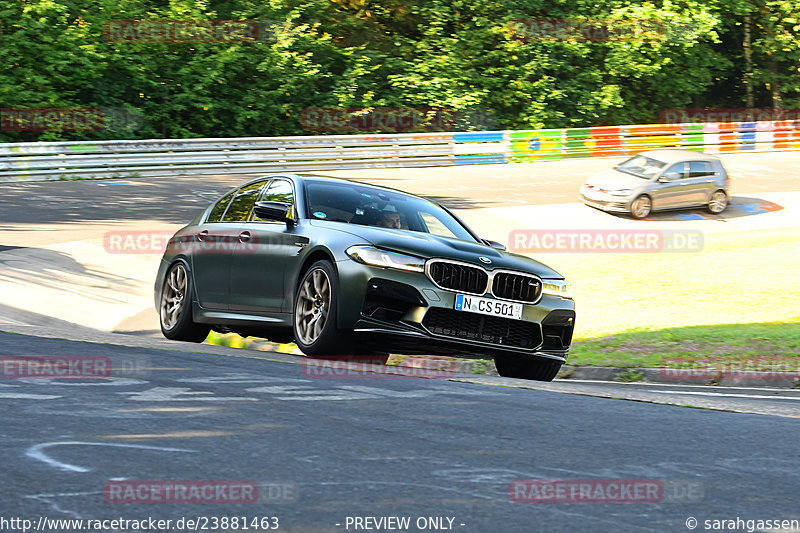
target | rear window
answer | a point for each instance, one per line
(242, 204)
(219, 208)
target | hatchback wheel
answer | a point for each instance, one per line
(175, 310)
(718, 202)
(526, 368)
(315, 304)
(641, 206)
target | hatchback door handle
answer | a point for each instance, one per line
(202, 235)
(244, 237)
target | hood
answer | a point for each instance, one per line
(612, 180)
(428, 246)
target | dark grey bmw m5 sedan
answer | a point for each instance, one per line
(342, 268)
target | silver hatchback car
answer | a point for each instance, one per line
(659, 179)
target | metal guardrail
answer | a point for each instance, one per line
(252, 155)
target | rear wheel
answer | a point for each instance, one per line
(641, 206)
(718, 202)
(175, 309)
(526, 368)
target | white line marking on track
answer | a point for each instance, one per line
(242, 378)
(352, 392)
(181, 394)
(37, 452)
(727, 395)
(94, 382)
(20, 396)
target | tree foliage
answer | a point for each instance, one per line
(485, 57)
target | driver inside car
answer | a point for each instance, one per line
(390, 219)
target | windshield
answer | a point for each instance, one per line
(641, 166)
(367, 206)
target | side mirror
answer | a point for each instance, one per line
(669, 177)
(494, 244)
(277, 211)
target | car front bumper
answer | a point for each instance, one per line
(404, 312)
(622, 205)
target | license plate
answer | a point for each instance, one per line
(488, 306)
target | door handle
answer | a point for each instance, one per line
(202, 235)
(244, 237)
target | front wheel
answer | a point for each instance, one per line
(175, 310)
(718, 202)
(522, 367)
(641, 207)
(315, 330)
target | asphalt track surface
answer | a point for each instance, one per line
(366, 445)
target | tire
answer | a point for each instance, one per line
(522, 367)
(315, 305)
(175, 307)
(641, 207)
(718, 202)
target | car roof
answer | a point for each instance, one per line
(675, 156)
(330, 179)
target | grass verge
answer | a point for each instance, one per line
(643, 348)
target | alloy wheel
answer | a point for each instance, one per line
(173, 296)
(641, 207)
(718, 203)
(313, 306)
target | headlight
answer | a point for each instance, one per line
(557, 287)
(620, 192)
(369, 255)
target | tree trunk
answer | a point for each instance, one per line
(748, 64)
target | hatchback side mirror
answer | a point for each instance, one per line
(277, 211)
(494, 244)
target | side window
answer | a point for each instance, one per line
(700, 168)
(675, 172)
(219, 209)
(279, 190)
(242, 204)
